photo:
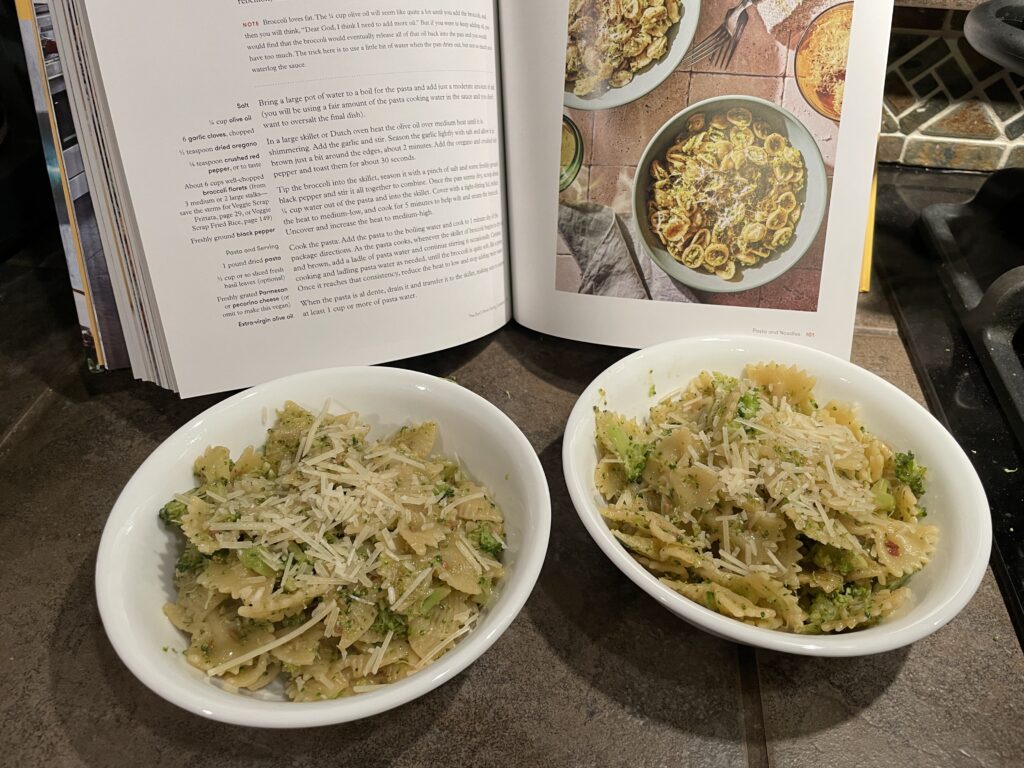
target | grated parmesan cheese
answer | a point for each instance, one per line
(758, 503)
(318, 534)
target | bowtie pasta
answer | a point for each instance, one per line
(610, 40)
(747, 497)
(335, 563)
(726, 194)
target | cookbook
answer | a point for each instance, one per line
(281, 185)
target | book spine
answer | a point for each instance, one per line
(44, 69)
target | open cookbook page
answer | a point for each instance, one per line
(313, 182)
(714, 169)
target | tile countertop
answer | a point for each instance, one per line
(956, 5)
(593, 672)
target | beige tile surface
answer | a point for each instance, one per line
(621, 134)
(706, 85)
(578, 190)
(873, 313)
(814, 257)
(757, 53)
(613, 186)
(751, 298)
(796, 290)
(939, 154)
(824, 130)
(886, 356)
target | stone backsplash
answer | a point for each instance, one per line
(946, 105)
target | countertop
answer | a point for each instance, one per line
(955, 5)
(592, 673)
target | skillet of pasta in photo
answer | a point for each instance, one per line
(620, 50)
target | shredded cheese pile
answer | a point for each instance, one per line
(745, 495)
(335, 563)
(822, 58)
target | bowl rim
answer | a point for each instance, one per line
(253, 712)
(581, 492)
(671, 63)
(683, 274)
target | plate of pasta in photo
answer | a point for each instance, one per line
(730, 194)
(620, 50)
(778, 496)
(820, 61)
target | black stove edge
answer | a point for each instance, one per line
(1004, 579)
(904, 219)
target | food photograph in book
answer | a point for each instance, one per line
(698, 146)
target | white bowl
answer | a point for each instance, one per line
(134, 568)
(814, 197)
(955, 498)
(646, 80)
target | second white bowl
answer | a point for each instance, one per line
(956, 500)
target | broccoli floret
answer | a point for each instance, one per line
(437, 594)
(298, 553)
(444, 490)
(909, 472)
(850, 600)
(830, 558)
(252, 558)
(295, 620)
(389, 621)
(632, 453)
(486, 541)
(748, 405)
(486, 590)
(791, 455)
(725, 381)
(884, 500)
(450, 473)
(190, 560)
(171, 513)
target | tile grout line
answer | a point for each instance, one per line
(754, 730)
(868, 330)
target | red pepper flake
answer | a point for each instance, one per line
(892, 548)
